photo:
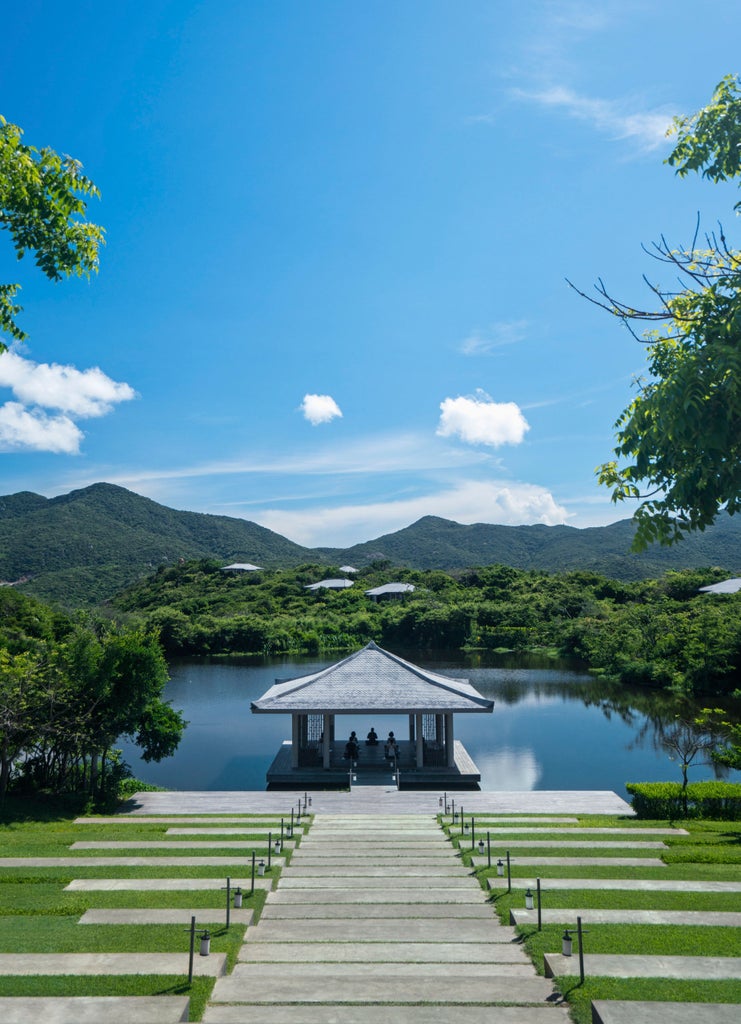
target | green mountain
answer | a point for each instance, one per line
(433, 543)
(81, 548)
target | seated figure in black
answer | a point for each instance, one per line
(372, 738)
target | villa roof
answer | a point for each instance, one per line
(390, 588)
(241, 567)
(731, 586)
(372, 680)
(329, 585)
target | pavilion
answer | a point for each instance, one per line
(375, 682)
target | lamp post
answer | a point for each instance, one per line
(481, 847)
(205, 935)
(500, 868)
(237, 898)
(228, 888)
(529, 899)
(270, 849)
(567, 943)
(252, 884)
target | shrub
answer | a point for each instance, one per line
(657, 800)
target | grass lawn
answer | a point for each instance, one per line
(37, 915)
(710, 851)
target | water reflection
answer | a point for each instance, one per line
(553, 727)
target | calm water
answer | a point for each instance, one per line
(552, 728)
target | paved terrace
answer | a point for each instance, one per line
(382, 800)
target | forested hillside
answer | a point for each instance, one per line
(82, 548)
(653, 632)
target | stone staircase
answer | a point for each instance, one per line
(377, 915)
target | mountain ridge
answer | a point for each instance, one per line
(84, 546)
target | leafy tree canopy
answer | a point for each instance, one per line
(43, 203)
(679, 441)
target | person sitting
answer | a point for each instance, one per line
(372, 738)
(351, 749)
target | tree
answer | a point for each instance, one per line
(681, 435)
(43, 202)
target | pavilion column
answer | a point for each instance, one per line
(411, 729)
(420, 743)
(449, 741)
(295, 740)
(439, 729)
(328, 725)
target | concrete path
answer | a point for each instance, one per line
(144, 819)
(631, 835)
(212, 966)
(606, 1011)
(143, 844)
(160, 884)
(630, 884)
(580, 862)
(715, 918)
(94, 1009)
(124, 862)
(151, 915)
(379, 939)
(695, 968)
(575, 844)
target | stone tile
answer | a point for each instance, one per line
(159, 884)
(151, 915)
(628, 884)
(94, 1009)
(630, 1012)
(11, 964)
(361, 952)
(714, 918)
(695, 968)
(328, 1013)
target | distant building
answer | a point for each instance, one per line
(389, 591)
(731, 586)
(241, 567)
(347, 569)
(329, 585)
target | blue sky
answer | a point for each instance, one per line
(333, 294)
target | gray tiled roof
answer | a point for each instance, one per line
(391, 588)
(372, 680)
(329, 585)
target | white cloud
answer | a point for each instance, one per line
(480, 343)
(76, 394)
(479, 420)
(648, 127)
(320, 409)
(80, 393)
(505, 502)
(23, 428)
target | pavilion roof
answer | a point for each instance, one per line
(372, 680)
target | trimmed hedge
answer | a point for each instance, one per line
(658, 800)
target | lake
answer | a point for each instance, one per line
(553, 727)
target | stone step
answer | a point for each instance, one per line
(123, 862)
(393, 928)
(143, 844)
(694, 968)
(714, 918)
(212, 966)
(372, 912)
(607, 1011)
(176, 819)
(362, 896)
(580, 862)
(367, 869)
(160, 884)
(393, 952)
(333, 1013)
(385, 882)
(576, 844)
(265, 984)
(634, 833)
(94, 1009)
(262, 833)
(151, 915)
(635, 884)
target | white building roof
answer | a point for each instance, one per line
(347, 568)
(731, 586)
(372, 680)
(241, 567)
(329, 585)
(391, 588)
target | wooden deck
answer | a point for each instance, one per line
(373, 768)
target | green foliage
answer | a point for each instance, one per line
(666, 800)
(681, 435)
(43, 203)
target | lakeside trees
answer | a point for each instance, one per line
(68, 691)
(43, 204)
(679, 441)
(658, 633)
